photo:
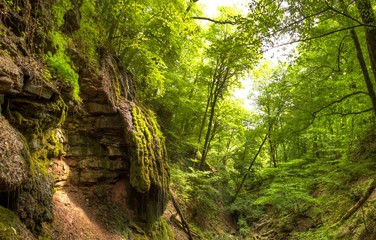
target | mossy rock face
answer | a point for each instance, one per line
(11, 227)
(149, 170)
(34, 202)
(24, 179)
(162, 231)
(13, 158)
(149, 161)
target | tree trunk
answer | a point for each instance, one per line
(249, 169)
(225, 157)
(272, 150)
(364, 8)
(208, 133)
(185, 225)
(368, 17)
(219, 80)
(363, 66)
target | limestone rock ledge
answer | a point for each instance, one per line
(48, 139)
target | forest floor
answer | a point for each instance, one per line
(82, 213)
(79, 215)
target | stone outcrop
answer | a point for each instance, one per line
(49, 140)
(113, 137)
(11, 77)
(14, 157)
(24, 186)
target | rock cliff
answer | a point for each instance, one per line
(52, 141)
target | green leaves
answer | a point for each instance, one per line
(61, 63)
(148, 37)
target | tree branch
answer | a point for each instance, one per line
(185, 225)
(342, 13)
(215, 21)
(314, 37)
(349, 113)
(314, 114)
(190, 5)
(338, 101)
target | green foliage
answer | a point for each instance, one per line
(321, 234)
(289, 188)
(89, 37)
(199, 188)
(9, 2)
(59, 8)
(244, 229)
(61, 63)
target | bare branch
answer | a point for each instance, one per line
(343, 14)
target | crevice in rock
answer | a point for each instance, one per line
(9, 200)
(1, 103)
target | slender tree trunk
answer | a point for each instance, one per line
(363, 66)
(368, 17)
(208, 103)
(185, 224)
(249, 169)
(211, 92)
(270, 140)
(272, 149)
(219, 86)
(284, 151)
(225, 157)
(364, 8)
(208, 133)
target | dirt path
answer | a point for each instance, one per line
(78, 215)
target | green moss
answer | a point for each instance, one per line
(61, 107)
(149, 165)
(161, 231)
(39, 162)
(61, 64)
(51, 147)
(10, 225)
